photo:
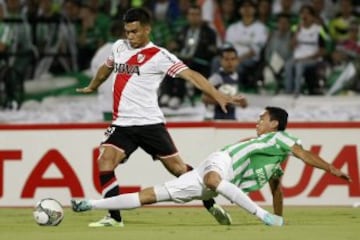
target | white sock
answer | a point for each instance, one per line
(123, 201)
(237, 196)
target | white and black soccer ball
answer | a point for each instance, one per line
(48, 212)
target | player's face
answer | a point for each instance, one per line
(194, 17)
(306, 16)
(229, 62)
(247, 10)
(137, 34)
(264, 124)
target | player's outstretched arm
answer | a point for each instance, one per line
(316, 161)
(238, 100)
(102, 74)
(203, 84)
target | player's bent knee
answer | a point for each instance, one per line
(178, 171)
(212, 180)
(147, 196)
(174, 166)
(109, 159)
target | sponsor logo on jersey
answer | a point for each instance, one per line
(140, 58)
(124, 68)
(261, 176)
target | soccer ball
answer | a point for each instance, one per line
(48, 212)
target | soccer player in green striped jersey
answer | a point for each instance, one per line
(232, 172)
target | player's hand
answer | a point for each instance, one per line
(223, 100)
(338, 173)
(239, 100)
(85, 90)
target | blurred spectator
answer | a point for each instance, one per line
(356, 4)
(348, 53)
(71, 15)
(211, 13)
(226, 80)
(137, 3)
(196, 42)
(21, 50)
(309, 47)
(120, 9)
(47, 25)
(50, 31)
(5, 35)
(278, 50)
(162, 13)
(322, 17)
(181, 20)
(249, 37)
(105, 89)
(339, 26)
(92, 34)
(195, 46)
(5, 40)
(30, 9)
(18, 53)
(264, 13)
(66, 34)
(289, 7)
(163, 10)
(228, 11)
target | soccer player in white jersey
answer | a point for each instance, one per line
(232, 172)
(139, 66)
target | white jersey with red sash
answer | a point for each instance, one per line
(138, 74)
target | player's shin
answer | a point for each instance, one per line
(110, 188)
(237, 196)
(208, 204)
(122, 202)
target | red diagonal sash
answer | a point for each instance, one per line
(122, 78)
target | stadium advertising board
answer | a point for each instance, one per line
(59, 161)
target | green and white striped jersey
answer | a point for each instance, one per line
(255, 161)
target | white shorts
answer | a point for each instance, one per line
(219, 162)
(190, 186)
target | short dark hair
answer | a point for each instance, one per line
(227, 47)
(117, 28)
(248, 2)
(309, 8)
(279, 115)
(137, 15)
(283, 15)
(77, 3)
(195, 6)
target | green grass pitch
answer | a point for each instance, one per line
(180, 223)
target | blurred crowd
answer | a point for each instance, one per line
(298, 47)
